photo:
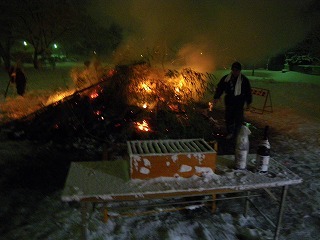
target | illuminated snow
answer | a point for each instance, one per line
(174, 157)
(144, 170)
(205, 170)
(185, 168)
(146, 162)
(295, 145)
(136, 160)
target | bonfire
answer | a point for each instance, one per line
(126, 102)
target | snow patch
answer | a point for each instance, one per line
(146, 162)
(144, 170)
(174, 157)
(200, 157)
(136, 159)
(204, 170)
(185, 168)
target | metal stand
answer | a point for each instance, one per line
(277, 226)
(247, 204)
(281, 211)
(84, 218)
(137, 192)
(248, 201)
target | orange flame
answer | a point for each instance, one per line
(143, 126)
(94, 95)
(146, 87)
(59, 96)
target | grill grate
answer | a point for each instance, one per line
(169, 146)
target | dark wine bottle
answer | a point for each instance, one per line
(263, 153)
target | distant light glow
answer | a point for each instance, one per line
(55, 45)
(25, 43)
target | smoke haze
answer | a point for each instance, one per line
(206, 34)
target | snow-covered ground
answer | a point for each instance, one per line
(31, 175)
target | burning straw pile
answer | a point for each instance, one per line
(129, 102)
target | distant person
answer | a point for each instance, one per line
(237, 91)
(18, 77)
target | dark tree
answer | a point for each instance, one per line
(44, 22)
(311, 44)
(89, 36)
(7, 30)
(39, 22)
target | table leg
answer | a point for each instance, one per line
(247, 203)
(214, 203)
(105, 215)
(84, 217)
(281, 211)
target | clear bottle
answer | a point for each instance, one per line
(242, 147)
(263, 153)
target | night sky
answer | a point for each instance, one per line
(246, 30)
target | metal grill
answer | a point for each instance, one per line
(169, 146)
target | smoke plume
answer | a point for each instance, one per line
(206, 34)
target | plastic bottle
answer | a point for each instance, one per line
(263, 153)
(242, 147)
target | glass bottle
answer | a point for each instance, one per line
(242, 147)
(263, 153)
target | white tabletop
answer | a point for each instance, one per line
(107, 180)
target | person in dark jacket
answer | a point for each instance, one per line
(18, 77)
(237, 89)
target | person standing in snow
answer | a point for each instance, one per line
(18, 77)
(237, 89)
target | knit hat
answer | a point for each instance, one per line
(236, 65)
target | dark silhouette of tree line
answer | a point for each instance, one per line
(41, 23)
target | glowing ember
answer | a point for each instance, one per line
(143, 126)
(97, 113)
(111, 72)
(94, 95)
